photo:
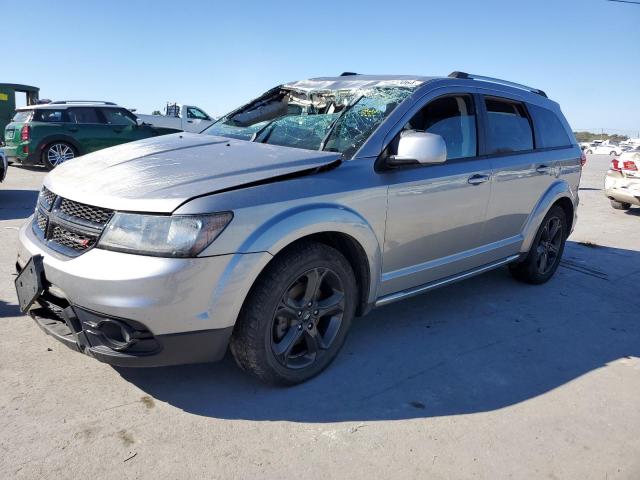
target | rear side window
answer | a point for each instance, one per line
(21, 116)
(549, 129)
(48, 116)
(454, 119)
(508, 126)
(83, 115)
(193, 112)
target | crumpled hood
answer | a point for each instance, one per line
(159, 174)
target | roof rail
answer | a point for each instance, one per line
(64, 102)
(348, 74)
(471, 76)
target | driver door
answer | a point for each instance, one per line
(436, 213)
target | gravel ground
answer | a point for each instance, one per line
(487, 378)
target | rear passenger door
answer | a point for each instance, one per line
(520, 174)
(87, 126)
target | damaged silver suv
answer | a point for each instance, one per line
(312, 204)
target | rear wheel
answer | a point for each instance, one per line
(589, 152)
(613, 153)
(620, 205)
(546, 251)
(297, 315)
(57, 153)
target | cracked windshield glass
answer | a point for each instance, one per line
(334, 120)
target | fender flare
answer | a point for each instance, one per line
(291, 225)
(59, 137)
(558, 190)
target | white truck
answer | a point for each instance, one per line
(182, 117)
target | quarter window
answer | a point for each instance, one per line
(454, 119)
(508, 126)
(549, 130)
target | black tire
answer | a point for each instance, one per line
(589, 152)
(48, 154)
(268, 322)
(534, 268)
(620, 205)
(612, 154)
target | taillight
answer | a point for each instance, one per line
(615, 166)
(24, 133)
(583, 159)
(630, 165)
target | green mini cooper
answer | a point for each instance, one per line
(53, 133)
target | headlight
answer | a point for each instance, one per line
(163, 236)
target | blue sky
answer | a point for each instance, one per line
(584, 53)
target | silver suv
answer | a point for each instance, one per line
(316, 202)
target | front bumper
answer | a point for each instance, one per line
(622, 189)
(183, 303)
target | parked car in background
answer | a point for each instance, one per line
(56, 132)
(622, 182)
(316, 202)
(4, 165)
(181, 117)
(604, 149)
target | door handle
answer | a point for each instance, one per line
(478, 179)
(73, 129)
(118, 130)
(189, 121)
(543, 169)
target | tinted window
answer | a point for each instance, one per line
(453, 118)
(118, 116)
(508, 126)
(549, 130)
(48, 116)
(83, 115)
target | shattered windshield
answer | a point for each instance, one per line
(336, 120)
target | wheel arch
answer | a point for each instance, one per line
(49, 139)
(560, 194)
(338, 227)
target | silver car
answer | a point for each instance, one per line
(314, 203)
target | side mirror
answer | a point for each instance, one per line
(419, 147)
(139, 122)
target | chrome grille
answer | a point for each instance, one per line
(47, 198)
(41, 221)
(73, 240)
(91, 214)
(68, 227)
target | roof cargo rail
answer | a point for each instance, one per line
(64, 102)
(348, 74)
(471, 76)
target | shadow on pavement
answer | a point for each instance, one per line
(17, 204)
(9, 310)
(479, 345)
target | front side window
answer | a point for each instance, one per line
(196, 113)
(508, 126)
(83, 115)
(549, 130)
(118, 116)
(454, 119)
(316, 117)
(48, 115)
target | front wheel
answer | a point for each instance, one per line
(589, 152)
(546, 250)
(612, 154)
(296, 316)
(57, 153)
